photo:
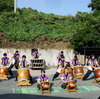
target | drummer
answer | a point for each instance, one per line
(60, 55)
(5, 62)
(36, 54)
(75, 61)
(66, 77)
(24, 64)
(16, 57)
(42, 78)
(99, 62)
(62, 64)
(93, 63)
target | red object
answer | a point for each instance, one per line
(97, 73)
(44, 83)
(3, 71)
(78, 69)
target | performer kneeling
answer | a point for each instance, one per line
(24, 64)
(5, 62)
(42, 78)
(66, 77)
(93, 63)
(62, 63)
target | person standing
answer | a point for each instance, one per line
(16, 57)
(61, 54)
(36, 54)
(93, 63)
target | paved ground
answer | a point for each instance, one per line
(6, 87)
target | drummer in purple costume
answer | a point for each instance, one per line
(93, 63)
(60, 55)
(5, 62)
(42, 78)
(66, 77)
(16, 57)
(62, 63)
(75, 61)
(36, 54)
(24, 64)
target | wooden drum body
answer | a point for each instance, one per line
(78, 70)
(3, 71)
(62, 71)
(45, 84)
(23, 74)
(71, 84)
(97, 74)
(70, 71)
(45, 87)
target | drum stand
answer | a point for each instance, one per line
(38, 63)
(23, 83)
(71, 88)
(95, 81)
(45, 89)
(79, 76)
(3, 77)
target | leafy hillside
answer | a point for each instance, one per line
(28, 24)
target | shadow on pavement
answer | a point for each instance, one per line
(34, 79)
(51, 84)
(91, 78)
(14, 72)
(27, 96)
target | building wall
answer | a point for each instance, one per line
(49, 55)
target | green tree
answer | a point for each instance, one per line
(95, 5)
(6, 5)
(87, 32)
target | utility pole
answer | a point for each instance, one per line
(15, 5)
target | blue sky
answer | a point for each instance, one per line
(59, 7)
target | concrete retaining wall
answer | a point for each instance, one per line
(49, 55)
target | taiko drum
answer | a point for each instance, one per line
(78, 70)
(45, 83)
(3, 71)
(23, 74)
(62, 71)
(71, 83)
(70, 71)
(97, 73)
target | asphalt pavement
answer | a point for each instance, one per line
(6, 88)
